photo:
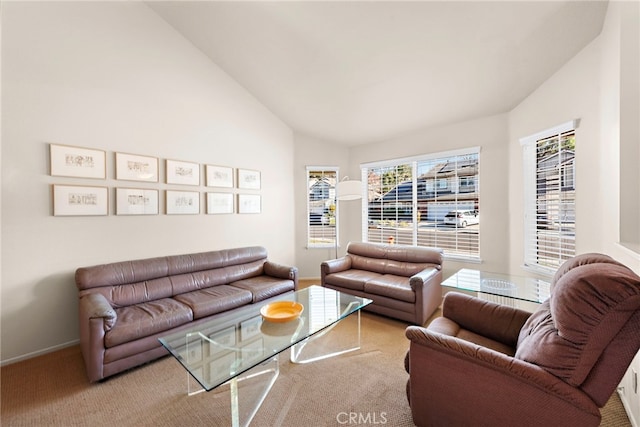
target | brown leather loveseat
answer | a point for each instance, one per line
(403, 281)
(125, 307)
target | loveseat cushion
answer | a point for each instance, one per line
(388, 285)
(351, 279)
(588, 307)
(215, 299)
(146, 319)
(264, 287)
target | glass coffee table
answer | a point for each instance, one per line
(241, 346)
(501, 288)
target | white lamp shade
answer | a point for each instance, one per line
(349, 190)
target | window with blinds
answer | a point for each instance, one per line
(430, 200)
(550, 212)
(321, 206)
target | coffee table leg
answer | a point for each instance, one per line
(297, 349)
(266, 374)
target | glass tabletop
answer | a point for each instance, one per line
(516, 287)
(234, 342)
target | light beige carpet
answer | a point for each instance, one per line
(52, 390)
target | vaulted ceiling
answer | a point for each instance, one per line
(356, 72)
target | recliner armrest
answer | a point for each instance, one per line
(498, 322)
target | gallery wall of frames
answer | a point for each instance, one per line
(140, 187)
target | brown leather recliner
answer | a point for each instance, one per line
(487, 364)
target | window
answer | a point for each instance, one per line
(550, 212)
(431, 200)
(321, 206)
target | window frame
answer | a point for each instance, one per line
(330, 239)
(438, 184)
(532, 225)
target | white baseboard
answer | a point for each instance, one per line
(38, 353)
(627, 409)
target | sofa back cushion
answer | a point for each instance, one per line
(399, 260)
(132, 282)
(588, 306)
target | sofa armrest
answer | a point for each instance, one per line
(441, 366)
(334, 266)
(498, 322)
(96, 306)
(96, 318)
(420, 279)
(280, 271)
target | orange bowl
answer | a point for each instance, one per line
(281, 311)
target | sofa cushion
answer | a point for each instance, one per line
(351, 279)
(145, 319)
(215, 299)
(388, 285)
(588, 307)
(264, 287)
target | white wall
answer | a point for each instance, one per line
(310, 151)
(114, 76)
(586, 88)
(572, 93)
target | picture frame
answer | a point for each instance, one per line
(80, 200)
(133, 167)
(250, 328)
(219, 368)
(183, 173)
(249, 179)
(249, 203)
(252, 351)
(219, 176)
(182, 202)
(194, 351)
(222, 340)
(77, 162)
(136, 201)
(220, 203)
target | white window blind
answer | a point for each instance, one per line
(321, 206)
(431, 200)
(550, 215)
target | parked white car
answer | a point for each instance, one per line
(461, 218)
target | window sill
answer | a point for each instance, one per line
(460, 258)
(542, 272)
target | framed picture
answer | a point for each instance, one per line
(219, 176)
(132, 167)
(250, 328)
(194, 351)
(253, 351)
(222, 367)
(249, 203)
(220, 203)
(248, 179)
(183, 202)
(80, 200)
(136, 201)
(77, 162)
(222, 340)
(184, 173)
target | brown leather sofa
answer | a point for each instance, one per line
(125, 307)
(403, 281)
(485, 364)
